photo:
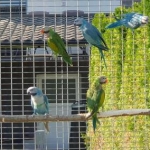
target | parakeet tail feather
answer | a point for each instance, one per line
(46, 125)
(114, 25)
(103, 57)
(95, 121)
(68, 60)
(90, 115)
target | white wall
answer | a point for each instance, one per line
(57, 6)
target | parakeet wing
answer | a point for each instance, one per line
(100, 98)
(56, 39)
(90, 100)
(128, 15)
(94, 104)
(92, 95)
(93, 32)
(99, 35)
(46, 102)
(90, 103)
(57, 42)
(95, 96)
(52, 46)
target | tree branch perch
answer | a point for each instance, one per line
(77, 117)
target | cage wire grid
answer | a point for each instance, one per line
(27, 61)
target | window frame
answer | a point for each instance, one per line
(40, 77)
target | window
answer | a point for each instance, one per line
(60, 88)
(17, 6)
(15, 54)
(57, 87)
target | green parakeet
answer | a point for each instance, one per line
(56, 44)
(95, 99)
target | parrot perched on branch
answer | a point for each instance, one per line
(129, 20)
(39, 103)
(95, 99)
(92, 35)
(56, 44)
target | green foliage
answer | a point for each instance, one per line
(128, 73)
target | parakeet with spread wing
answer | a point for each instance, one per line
(56, 44)
(92, 35)
(129, 20)
(95, 99)
(39, 103)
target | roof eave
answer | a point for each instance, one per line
(38, 43)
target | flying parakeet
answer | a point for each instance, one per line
(56, 44)
(130, 20)
(92, 35)
(95, 99)
(39, 103)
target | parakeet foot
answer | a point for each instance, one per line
(46, 114)
(33, 114)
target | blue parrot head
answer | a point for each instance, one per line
(78, 21)
(34, 91)
(138, 17)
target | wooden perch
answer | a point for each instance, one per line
(77, 117)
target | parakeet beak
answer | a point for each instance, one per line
(106, 81)
(103, 82)
(42, 31)
(144, 19)
(77, 23)
(33, 94)
(30, 93)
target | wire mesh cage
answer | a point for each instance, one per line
(28, 60)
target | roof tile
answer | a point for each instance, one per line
(27, 29)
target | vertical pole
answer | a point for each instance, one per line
(40, 140)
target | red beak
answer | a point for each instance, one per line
(106, 81)
(42, 31)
